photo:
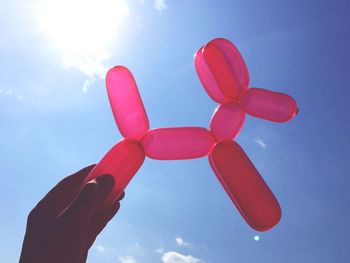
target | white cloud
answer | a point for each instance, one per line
(160, 250)
(87, 83)
(126, 259)
(180, 242)
(160, 5)
(90, 65)
(100, 248)
(175, 257)
(83, 36)
(261, 143)
(9, 92)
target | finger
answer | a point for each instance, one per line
(121, 196)
(99, 220)
(84, 205)
(62, 194)
(84, 257)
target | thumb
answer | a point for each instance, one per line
(90, 197)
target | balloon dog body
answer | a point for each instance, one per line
(225, 77)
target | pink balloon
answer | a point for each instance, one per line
(122, 162)
(236, 62)
(225, 77)
(244, 185)
(207, 79)
(177, 143)
(227, 121)
(269, 105)
(222, 71)
(128, 110)
(228, 67)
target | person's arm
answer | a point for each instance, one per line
(64, 224)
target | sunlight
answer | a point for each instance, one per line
(82, 29)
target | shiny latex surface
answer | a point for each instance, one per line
(236, 62)
(222, 70)
(127, 107)
(122, 161)
(269, 105)
(227, 121)
(207, 78)
(177, 143)
(244, 185)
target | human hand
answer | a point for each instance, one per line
(64, 224)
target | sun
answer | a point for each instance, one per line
(82, 29)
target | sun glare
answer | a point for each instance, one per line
(82, 29)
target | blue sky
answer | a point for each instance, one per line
(55, 119)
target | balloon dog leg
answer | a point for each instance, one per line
(244, 185)
(122, 162)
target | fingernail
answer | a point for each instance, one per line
(121, 196)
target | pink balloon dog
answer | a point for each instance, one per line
(225, 77)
